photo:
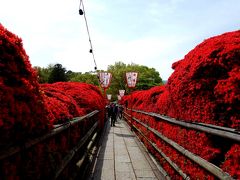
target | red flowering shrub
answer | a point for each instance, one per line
(197, 142)
(72, 99)
(87, 96)
(232, 161)
(205, 87)
(188, 167)
(145, 99)
(28, 111)
(62, 106)
(228, 98)
(23, 110)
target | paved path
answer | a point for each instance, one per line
(121, 157)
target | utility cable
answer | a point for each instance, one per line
(83, 12)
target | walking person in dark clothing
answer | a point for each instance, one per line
(113, 111)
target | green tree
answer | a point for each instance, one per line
(70, 74)
(118, 79)
(147, 77)
(87, 77)
(43, 73)
(57, 74)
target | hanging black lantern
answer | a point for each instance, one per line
(90, 50)
(80, 11)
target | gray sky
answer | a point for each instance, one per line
(154, 33)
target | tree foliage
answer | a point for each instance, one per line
(58, 74)
(43, 73)
(87, 77)
(147, 77)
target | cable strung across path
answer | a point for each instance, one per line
(83, 12)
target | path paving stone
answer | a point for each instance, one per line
(121, 158)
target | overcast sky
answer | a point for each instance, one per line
(154, 33)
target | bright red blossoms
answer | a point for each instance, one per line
(23, 112)
(205, 87)
(67, 100)
(28, 111)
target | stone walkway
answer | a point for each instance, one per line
(121, 157)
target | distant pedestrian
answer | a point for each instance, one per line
(113, 114)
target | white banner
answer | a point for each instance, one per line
(121, 92)
(119, 97)
(109, 96)
(131, 79)
(105, 79)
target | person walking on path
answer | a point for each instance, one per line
(113, 114)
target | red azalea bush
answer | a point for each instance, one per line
(187, 166)
(87, 96)
(197, 142)
(65, 101)
(61, 105)
(28, 111)
(23, 111)
(72, 99)
(145, 99)
(205, 87)
(232, 161)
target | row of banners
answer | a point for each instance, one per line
(121, 94)
(105, 79)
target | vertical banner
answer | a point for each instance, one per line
(109, 97)
(131, 78)
(104, 79)
(119, 97)
(121, 92)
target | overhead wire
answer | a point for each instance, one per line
(83, 12)
(80, 6)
